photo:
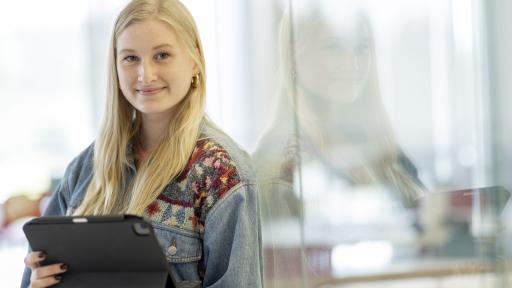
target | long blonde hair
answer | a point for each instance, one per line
(108, 192)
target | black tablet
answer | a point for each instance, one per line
(101, 251)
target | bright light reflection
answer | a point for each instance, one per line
(361, 255)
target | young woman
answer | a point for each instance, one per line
(158, 156)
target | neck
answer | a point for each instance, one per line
(153, 129)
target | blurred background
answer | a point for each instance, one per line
(378, 129)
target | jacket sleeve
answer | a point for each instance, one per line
(78, 171)
(232, 241)
(56, 206)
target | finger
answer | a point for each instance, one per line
(33, 258)
(45, 282)
(48, 270)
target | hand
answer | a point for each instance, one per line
(43, 276)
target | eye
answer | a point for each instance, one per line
(130, 58)
(162, 56)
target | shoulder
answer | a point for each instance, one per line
(216, 169)
(213, 171)
(216, 145)
(276, 155)
(84, 159)
(80, 167)
(219, 162)
(72, 184)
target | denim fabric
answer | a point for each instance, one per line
(227, 251)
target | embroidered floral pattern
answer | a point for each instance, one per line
(208, 176)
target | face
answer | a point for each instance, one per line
(334, 63)
(154, 69)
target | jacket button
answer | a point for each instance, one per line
(172, 249)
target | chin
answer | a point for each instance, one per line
(148, 110)
(342, 92)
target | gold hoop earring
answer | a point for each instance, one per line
(195, 81)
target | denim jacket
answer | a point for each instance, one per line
(206, 220)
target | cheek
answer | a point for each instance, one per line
(124, 80)
(312, 71)
(178, 79)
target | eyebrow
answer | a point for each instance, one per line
(154, 48)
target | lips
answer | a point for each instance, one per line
(150, 91)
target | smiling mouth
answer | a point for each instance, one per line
(149, 91)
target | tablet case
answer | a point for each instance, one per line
(101, 251)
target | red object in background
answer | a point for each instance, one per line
(492, 199)
(286, 262)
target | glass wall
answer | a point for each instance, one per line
(383, 165)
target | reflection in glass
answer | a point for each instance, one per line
(342, 202)
(330, 162)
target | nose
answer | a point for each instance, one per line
(146, 72)
(350, 61)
